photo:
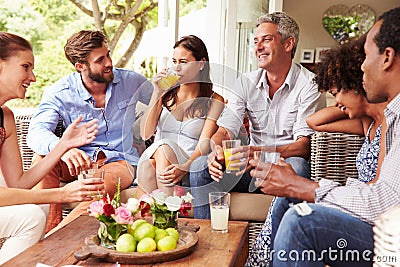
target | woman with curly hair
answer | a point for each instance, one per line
(339, 73)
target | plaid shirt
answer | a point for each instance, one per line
(368, 201)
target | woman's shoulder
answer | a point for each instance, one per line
(216, 96)
(8, 115)
(8, 121)
(367, 123)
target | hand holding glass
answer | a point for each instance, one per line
(168, 81)
(219, 208)
(93, 173)
(229, 146)
(267, 156)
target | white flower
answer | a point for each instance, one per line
(173, 203)
(159, 196)
(133, 204)
(188, 197)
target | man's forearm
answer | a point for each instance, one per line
(220, 134)
(302, 188)
(300, 148)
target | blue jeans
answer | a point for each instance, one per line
(326, 236)
(282, 204)
(201, 183)
(260, 252)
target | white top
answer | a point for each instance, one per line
(181, 136)
(185, 133)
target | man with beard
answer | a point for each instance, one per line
(96, 90)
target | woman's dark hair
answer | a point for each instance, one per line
(340, 67)
(10, 44)
(200, 105)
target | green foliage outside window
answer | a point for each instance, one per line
(47, 24)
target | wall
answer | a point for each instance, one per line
(308, 14)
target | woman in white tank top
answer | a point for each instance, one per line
(183, 117)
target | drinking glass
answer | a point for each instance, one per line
(167, 82)
(228, 146)
(93, 173)
(267, 156)
(219, 208)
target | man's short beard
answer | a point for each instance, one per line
(376, 100)
(96, 77)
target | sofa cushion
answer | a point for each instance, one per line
(249, 206)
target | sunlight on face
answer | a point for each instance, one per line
(186, 65)
(17, 74)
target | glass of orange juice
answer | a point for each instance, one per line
(229, 146)
(167, 82)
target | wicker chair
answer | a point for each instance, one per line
(22, 125)
(333, 156)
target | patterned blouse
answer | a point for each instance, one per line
(367, 158)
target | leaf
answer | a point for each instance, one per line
(105, 219)
(115, 230)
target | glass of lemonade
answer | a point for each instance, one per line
(219, 208)
(167, 82)
(228, 146)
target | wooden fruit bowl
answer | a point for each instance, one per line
(186, 244)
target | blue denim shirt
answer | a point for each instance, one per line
(68, 98)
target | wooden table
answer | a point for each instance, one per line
(213, 249)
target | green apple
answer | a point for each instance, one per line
(135, 224)
(147, 244)
(126, 243)
(166, 243)
(160, 233)
(144, 230)
(173, 232)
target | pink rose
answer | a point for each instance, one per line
(179, 191)
(123, 215)
(96, 208)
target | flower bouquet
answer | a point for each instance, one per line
(117, 218)
(164, 209)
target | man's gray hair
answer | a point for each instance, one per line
(287, 26)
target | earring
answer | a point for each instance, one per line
(356, 92)
(201, 68)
